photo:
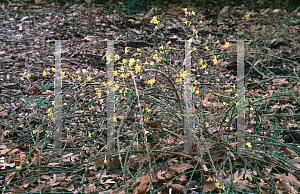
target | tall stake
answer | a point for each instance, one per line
(188, 125)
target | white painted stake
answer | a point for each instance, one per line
(110, 98)
(240, 97)
(188, 116)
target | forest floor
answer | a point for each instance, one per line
(149, 100)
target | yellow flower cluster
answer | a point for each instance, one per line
(25, 75)
(188, 13)
(155, 21)
(151, 82)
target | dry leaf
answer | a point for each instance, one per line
(175, 10)
(248, 175)
(180, 168)
(37, 188)
(254, 93)
(178, 188)
(293, 180)
(209, 186)
(285, 185)
(93, 10)
(109, 181)
(143, 186)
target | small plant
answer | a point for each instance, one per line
(36, 102)
(133, 7)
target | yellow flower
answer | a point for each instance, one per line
(53, 69)
(104, 84)
(249, 144)
(215, 59)
(186, 22)
(193, 13)
(44, 73)
(185, 9)
(152, 63)
(127, 49)
(200, 22)
(203, 66)
(151, 82)
(137, 69)
(148, 110)
(194, 31)
(218, 186)
(158, 59)
(154, 56)
(221, 174)
(226, 44)
(115, 73)
(79, 78)
(77, 72)
(191, 40)
(178, 80)
(52, 102)
(233, 86)
(117, 57)
(99, 95)
(154, 20)
(21, 78)
(138, 50)
(62, 73)
(131, 62)
(97, 89)
(90, 135)
(89, 78)
(207, 103)
(105, 161)
(206, 48)
(122, 67)
(117, 87)
(49, 109)
(193, 88)
(101, 101)
(18, 167)
(224, 103)
(201, 61)
(146, 132)
(95, 72)
(115, 119)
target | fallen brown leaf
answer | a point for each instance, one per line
(175, 10)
